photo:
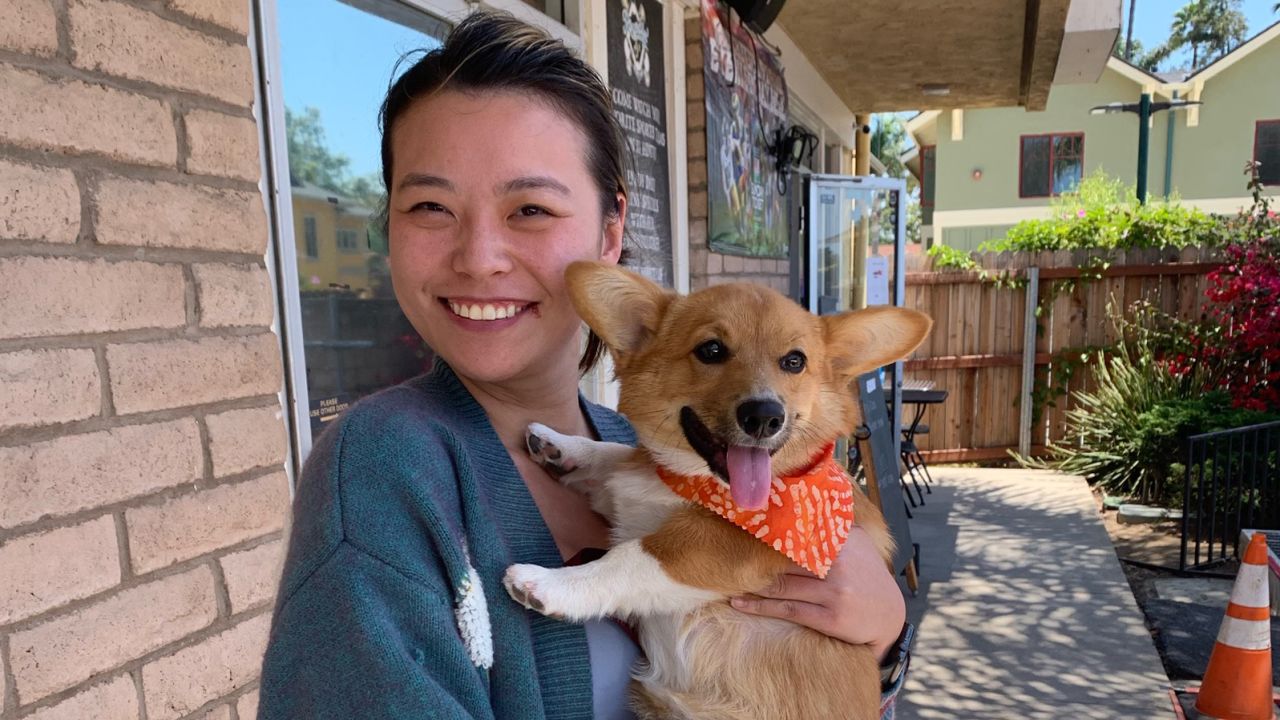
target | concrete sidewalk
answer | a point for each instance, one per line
(1023, 609)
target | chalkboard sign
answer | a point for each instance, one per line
(884, 462)
(637, 79)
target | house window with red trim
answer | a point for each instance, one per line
(1050, 164)
(1266, 151)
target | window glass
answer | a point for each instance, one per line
(1267, 151)
(928, 153)
(1068, 162)
(1035, 167)
(336, 60)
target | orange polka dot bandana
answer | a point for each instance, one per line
(807, 519)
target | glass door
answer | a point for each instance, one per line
(845, 213)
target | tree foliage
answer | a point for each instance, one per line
(311, 161)
(1210, 28)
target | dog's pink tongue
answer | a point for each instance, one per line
(749, 476)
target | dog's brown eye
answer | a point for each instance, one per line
(793, 362)
(712, 352)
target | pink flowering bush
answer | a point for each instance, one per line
(1244, 297)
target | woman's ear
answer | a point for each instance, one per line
(611, 245)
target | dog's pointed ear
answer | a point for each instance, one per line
(623, 308)
(863, 340)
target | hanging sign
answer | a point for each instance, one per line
(746, 103)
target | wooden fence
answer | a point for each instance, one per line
(977, 350)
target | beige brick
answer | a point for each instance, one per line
(241, 440)
(43, 387)
(698, 205)
(38, 203)
(252, 575)
(29, 27)
(115, 700)
(201, 522)
(93, 469)
(697, 172)
(64, 296)
(715, 263)
(733, 263)
(247, 708)
(177, 684)
(222, 145)
(175, 373)
(230, 14)
(157, 214)
(123, 40)
(74, 116)
(234, 295)
(69, 650)
(88, 562)
(697, 144)
(698, 231)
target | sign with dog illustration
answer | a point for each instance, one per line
(637, 79)
(746, 102)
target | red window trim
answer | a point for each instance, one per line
(1051, 136)
(1257, 130)
(924, 174)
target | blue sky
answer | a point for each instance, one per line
(339, 59)
(1153, 18)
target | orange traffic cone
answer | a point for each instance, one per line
(1237, 685)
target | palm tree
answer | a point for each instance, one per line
(1215, 26)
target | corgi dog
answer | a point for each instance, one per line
(734, 392)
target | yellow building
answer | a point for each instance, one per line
(331, 232)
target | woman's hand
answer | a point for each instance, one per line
(859, 602)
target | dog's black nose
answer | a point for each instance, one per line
(761, 418)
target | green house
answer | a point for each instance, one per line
(984, 170)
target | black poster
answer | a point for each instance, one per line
(746, 100)
(637, 76)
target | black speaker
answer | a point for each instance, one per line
(757, 14)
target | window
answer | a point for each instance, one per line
(1266, 151)
(336, 59)
(928, 159)
(309, 237)
(1050, 164)
(347, 240)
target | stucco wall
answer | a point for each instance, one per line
(1209, 159)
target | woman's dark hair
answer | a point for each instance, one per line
(495, 51)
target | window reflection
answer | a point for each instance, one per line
(337, 59)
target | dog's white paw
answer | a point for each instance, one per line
(546, 448)
(526, 583)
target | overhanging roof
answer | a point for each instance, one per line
(878, 54)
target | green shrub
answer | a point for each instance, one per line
(1131, 432)
(1102, 213)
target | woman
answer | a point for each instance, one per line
(503, 163)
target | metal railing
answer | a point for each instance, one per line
(1231, 482)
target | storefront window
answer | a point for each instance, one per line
(336, 62)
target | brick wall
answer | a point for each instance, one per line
(707, 267)
(141, 439)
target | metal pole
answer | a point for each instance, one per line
(1168, 152)
(1144, 138)
(1128, 37)
(861, 168)
(1028, 361)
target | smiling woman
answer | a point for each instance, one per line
(504, 165)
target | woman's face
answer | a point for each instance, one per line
(490, 202)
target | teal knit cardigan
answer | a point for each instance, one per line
(408, 512)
